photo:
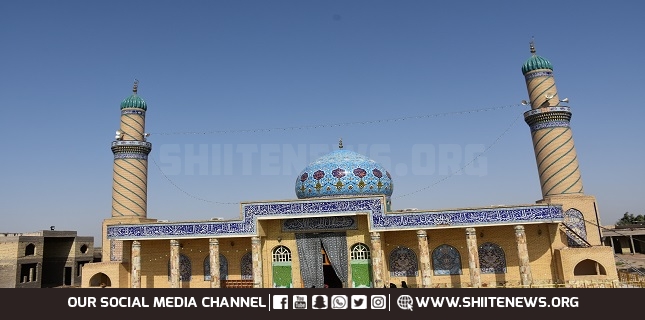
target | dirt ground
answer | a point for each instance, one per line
(631, 262)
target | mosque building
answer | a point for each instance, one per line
(341, 231)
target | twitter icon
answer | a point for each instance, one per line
(359, 301)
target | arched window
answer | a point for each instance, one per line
(100, 280)
(361, 266)
(281, 267)
(185, 270)
(246, 264)
(446, 260)
(223, 267)
(360, 251)
(491, 258)
(30, 250)
(281, 254)
(207, 268)
(588, 267)
(403, 263)
(576, 222)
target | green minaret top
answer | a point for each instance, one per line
(535, 62)
(134, 101)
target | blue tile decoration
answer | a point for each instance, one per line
(133, 111)
(548, 117)
(538, 74)
(131, 149)
(403, 263)
(466, 217)
(319, 224)
(446, 260)
(549, 124)
(373, 206)
(491, 258)
(131, 155)
(185, 270)
(247, 266)
(343, 172)
(132, 143)
(223, 268)
(576, 222)
(207, 268)
(546, 109)
(116, 250)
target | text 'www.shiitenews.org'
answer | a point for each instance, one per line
(490, 302)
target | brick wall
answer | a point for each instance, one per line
(8, 256)
(543, 240)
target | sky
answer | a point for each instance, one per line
(242, 95)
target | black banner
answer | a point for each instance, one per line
(314, 302)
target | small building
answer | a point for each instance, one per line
(43, 259)
(625, 238)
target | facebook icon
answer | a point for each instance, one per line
(280, 301)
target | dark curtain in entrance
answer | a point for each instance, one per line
(311, 260)
(311, 263)
(335, 244)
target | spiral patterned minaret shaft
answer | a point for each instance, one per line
(130, 169)
(555, 153)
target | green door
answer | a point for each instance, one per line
(282, 274)
(361, 273)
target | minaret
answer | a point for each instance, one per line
(555, 154)
(548, 119)
(130, 170)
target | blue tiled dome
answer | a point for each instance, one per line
(343, 172)
(134, 101)
(535, 63)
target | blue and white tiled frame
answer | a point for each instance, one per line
(373, 207)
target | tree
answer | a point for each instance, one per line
(629, 218)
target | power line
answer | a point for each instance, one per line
(333, 125)
(182, 190)
(465, 165)
(355, 123)
(390, 120)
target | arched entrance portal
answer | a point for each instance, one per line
(323, 259)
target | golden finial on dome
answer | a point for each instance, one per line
(135, 86)
(340, 143)
(532, 43)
